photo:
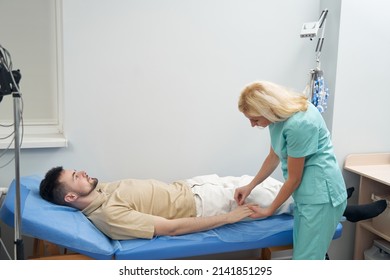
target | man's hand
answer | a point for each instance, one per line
(241, 212)
(259, 212)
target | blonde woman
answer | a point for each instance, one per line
(301, 142)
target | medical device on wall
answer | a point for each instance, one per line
(310, 29)
(9, 85)
(316, 89)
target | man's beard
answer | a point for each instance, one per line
(93, 185)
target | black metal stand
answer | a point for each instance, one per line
(9, 81)
(19, 246)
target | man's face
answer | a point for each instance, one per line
(78, 182)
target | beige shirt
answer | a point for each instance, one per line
(125, 209)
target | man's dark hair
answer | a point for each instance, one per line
(50, 188)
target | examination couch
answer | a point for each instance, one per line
(78, 238)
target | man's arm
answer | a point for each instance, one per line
(180, 226)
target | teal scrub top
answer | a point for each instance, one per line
(305, 134)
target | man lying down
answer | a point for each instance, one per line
(133, 208)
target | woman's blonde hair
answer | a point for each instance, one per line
(272, 101)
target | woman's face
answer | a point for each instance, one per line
(258, 121)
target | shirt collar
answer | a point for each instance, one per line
(100, 199)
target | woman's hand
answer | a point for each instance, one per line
(239, 213)
(241, 193)
(259, 212)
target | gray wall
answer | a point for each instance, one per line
(361, 114)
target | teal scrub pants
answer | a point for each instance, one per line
(314, 228)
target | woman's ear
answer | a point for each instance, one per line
(70, 197)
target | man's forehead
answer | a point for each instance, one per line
(66, 174)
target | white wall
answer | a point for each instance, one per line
(361, 115)
(151, 87)
(154, 85)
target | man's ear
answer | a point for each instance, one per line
(70, 197)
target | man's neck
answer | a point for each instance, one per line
(83, 202)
